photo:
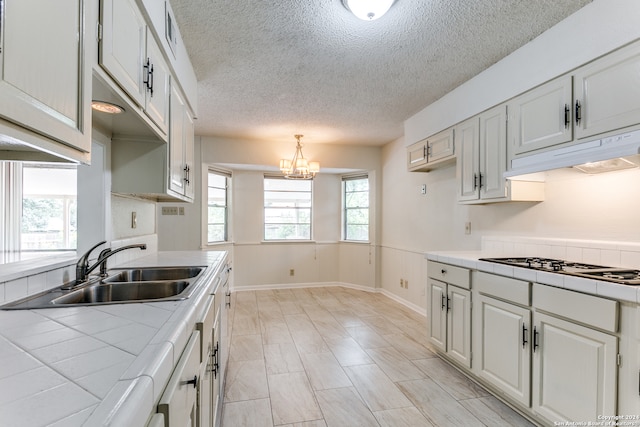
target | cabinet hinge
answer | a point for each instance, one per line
(99, 31)
(619, 359)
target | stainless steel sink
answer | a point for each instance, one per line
(153, 274)
(123, 291)
(128, 285)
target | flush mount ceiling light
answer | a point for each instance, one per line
(368, 10)
(298, 167)
(106, 107)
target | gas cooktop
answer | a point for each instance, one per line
(625, 276)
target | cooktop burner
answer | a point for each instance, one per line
(617, 275)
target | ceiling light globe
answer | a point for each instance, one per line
(368, 10)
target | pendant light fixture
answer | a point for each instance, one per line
(299, 167)
(368, 10)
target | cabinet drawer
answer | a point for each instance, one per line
(505, 288)
(178, 402)
(450, 274)
(587, 309)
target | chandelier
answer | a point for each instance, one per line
(299, 167)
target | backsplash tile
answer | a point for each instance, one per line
(604, 252)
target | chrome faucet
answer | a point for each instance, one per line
(82, 266)
(106, 253)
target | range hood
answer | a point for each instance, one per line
(608, 148)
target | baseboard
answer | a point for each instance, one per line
(421, 311)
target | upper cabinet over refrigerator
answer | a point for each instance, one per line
(44, 90)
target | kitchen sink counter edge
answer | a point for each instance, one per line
(102, 364)
(470, 259)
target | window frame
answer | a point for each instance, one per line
(310, 208)
(228, 177)
(345, 208)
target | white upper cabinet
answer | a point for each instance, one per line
(44, 78)
(542, 117)
(435, 151)
(181, 154)
(468, 163)
(493, 153)
(131, 56)
(607, 93)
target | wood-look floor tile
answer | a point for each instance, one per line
(315, 423)
(409, 348)
(246, 380)
(348, 352)
(491, 412)
(394, 364)
(246, 347)
(324, 371)
(292, 399)
(290, 307)
(245, 324)
(450, 379)
(402, 417)
(282, 358)
(275, 332)
(343, 407)
(367, 337)
(381, 325)
(330, 328)
(347, 318)
(438, 406)
(377, 390)
(248, 413)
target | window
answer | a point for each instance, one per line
(217, 207)
(356, 208)
(40, 205)
(287, 209)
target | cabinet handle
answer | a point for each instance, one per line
(524, 335)
(186, 174)
(228, 296)
(578, 112)
(442, 305)
(147, 74)
(194, 381)
(151, 80)
(567, 119)
(214, 365)
(448, 306)
(480, 180)
(475, 181)
(535, 339)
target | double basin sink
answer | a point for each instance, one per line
(120, 286)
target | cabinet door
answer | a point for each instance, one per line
(542, 117)
(440, 146)
(459, 324)
(493, 153)
(417, 155)
(607, 93)
(437, 314)
(189, 160)
(157, 93)
(574, 371)
(179, 402)
(122, 47)
(43, 75)
(468, 161)
(177, 176)
(504, 353)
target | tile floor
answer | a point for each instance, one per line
(335, 356)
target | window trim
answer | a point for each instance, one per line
(354, 177)
(264, 223)
(228, 177)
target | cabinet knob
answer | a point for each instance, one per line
(443, 271)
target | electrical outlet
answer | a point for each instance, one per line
(401, 283)
(467, 228)
(169, 210)
(292, 272)
(181, 210)
(406, 284)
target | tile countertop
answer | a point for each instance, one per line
(96, 365)
(601, 288)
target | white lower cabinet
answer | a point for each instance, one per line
(504, 356)
(179, 402)
(449, 311)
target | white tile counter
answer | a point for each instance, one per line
(95, 365)
(589, 286)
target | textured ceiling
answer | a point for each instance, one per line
(268, 69)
